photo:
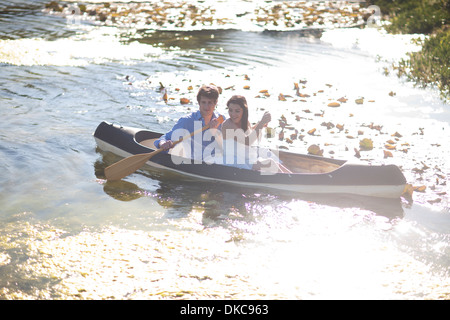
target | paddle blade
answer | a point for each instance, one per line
(127, 166)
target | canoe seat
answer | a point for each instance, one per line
(149, 143)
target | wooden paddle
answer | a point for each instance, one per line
(129, 165)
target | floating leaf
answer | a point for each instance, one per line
(340, 127)
(420, 188)
(342, 99)
(334, 104)
(359, 101)
(329, 125)
(389, 146)
(185, 101)
(408, 191)
(311, 132)
(264, 91)
(246, 87)
(366, 144)
(387, 154)
(315, 150)
(281, 97)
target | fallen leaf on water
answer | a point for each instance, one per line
(190, 88)
(184, 101)
(366, 144)
(340, 127)
(359, 101)
(420, 188)
(342, 99)
(329, 125)
(315, 150)
(246, 87)
(311, 132)
(387, 154)
(398, 135)
(289, 140)
(281, 97)
(263, 91)
(334, 104)
(408, 191)
(389, 146)
(390, 142)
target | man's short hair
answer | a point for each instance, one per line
(209, 91)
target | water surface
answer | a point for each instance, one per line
(66, 233)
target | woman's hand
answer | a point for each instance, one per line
(266, 118)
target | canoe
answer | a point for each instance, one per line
(310, 174)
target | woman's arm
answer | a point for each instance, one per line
(254, 135)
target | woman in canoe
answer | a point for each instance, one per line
(238, 136)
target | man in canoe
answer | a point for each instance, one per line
(207, 98)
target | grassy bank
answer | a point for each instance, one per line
(430, 66)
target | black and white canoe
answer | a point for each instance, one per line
(310, 174)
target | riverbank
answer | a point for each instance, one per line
(431, 65)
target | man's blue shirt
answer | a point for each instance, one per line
(187, 125)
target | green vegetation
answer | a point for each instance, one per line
(431, 65)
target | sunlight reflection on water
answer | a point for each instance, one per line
(66, 233)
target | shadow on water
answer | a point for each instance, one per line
(179, 195)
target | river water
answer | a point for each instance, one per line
(66, 233)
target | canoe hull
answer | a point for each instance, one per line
(385, 181)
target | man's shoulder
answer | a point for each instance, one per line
(192, 116)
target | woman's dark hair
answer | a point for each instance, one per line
(242, 102)
(210, 91)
